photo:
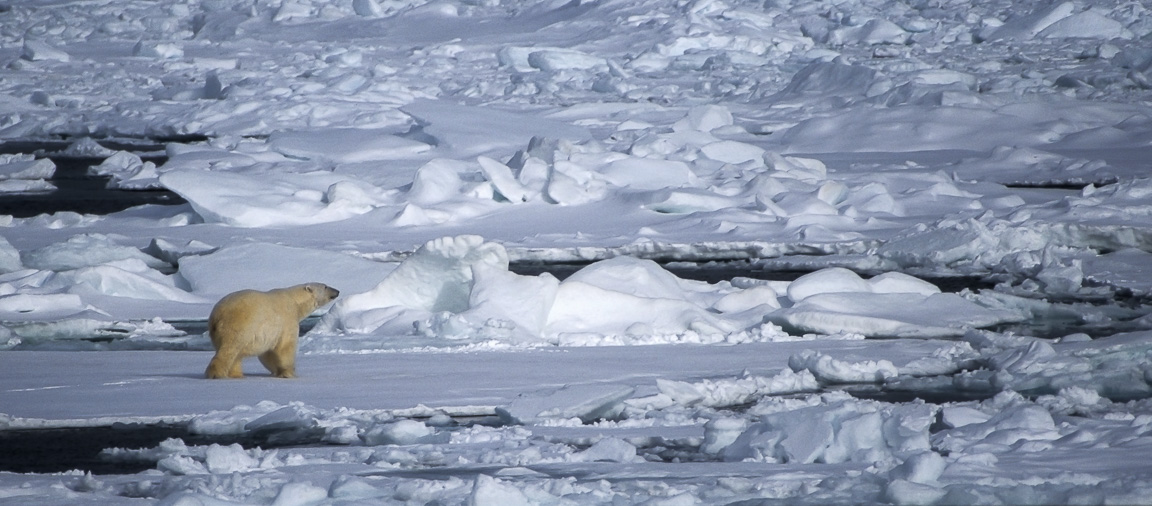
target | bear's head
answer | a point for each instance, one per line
(321, 293)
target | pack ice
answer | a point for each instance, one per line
(925, 226)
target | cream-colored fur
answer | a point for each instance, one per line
(263, 324)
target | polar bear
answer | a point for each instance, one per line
(265, 324)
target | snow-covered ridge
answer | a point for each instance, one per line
(460, 289)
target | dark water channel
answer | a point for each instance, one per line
(76, 190)
(66, 449)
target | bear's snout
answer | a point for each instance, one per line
(333, 293)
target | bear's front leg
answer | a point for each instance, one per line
(277, 365)
(281, 360)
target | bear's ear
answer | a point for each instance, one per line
(309, 289)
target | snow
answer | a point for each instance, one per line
(924, 200)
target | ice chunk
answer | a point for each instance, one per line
(828, 78)
(1027, 26)
(25, 186)
(626, 296)
(516, 57)
(553, 60)
(904, 492)
(832, 192)
(609, 449)
(732, 392)
(1033, 358)
(802, 204)
(292, 10)
(299, 493)
(23, 306)
(801, 168)
(263, 266)
(435, 182)
(292, 417)
(35, 50)
(862, 433)
(265, 200)
(743, 300)
(345, 145)
(350, 487)
(649, 173)
(571, 184)
(891, 314)
(939, 245)
(489, 491)
(719, 433)
(733, 152)
(896, 282)
(127, 170)
(921, 127)
(85, 250)
(228, 459)
(584, 308)
(705, 118)
(843, 431)
(182, 465)
(874, 31)
(30, 168)
(438, 277)
(236, 420)
(367, 8)
(691, 200)
(1128, 268)
(503, 180)
(940, 77)
(156, 49)
(680, 392)
(403, 432)
(830, 280)
(9, 257)
(642, 278)
(1015, 423)
(588, 402)
(212, 89)
(829, 370)
(472, 131)
(124, 278)
(504, 295)
(925, 467)
(959, 416)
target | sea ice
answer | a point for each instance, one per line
(87, 250)
(263, 266)
(844, 431)
(485, 130)
(438, 277)
(585, 402)
(127, 171)
(35, 50)
(308, 136)
(269, 200)
(349, 145)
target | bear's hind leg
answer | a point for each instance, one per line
(225, 364)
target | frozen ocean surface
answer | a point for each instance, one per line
(589, 252)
